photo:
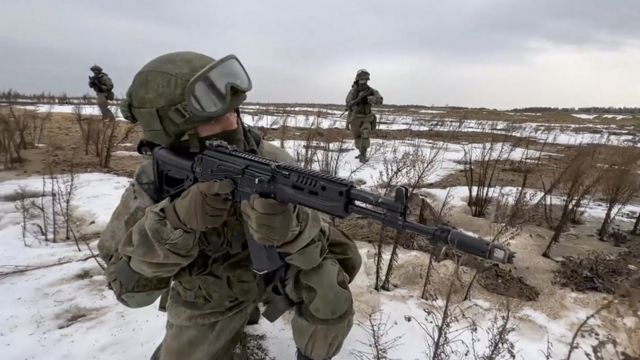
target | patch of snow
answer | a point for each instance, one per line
(585, 116)
(66, 311)
(125, 153)
(70, 109)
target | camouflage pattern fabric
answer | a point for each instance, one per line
(360, 119)
(103, 105)
(103, 86)
(213, 289)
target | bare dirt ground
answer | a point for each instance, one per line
(62, 148)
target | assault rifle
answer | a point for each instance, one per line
(358, 100)
(93, 83)
(175, 172)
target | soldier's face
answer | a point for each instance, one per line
(226, 122)
(362, 82)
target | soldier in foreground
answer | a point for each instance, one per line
(101, 83)
(194, 247)
(360, 119)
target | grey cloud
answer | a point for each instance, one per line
(287, 43)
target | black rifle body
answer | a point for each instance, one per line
(175, 172)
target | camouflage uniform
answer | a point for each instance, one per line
(101, 83)
(212, 289)
(360, 119)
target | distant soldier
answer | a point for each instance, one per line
(101, 83)
(360, 119)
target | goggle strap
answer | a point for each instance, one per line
(179, 113)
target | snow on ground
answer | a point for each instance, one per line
(565, 134)
(125, 153)
(585, 116)
(349, 167)
(66, 311)
(70, 109)
(594, 209)
(592, 116)
(431, 120)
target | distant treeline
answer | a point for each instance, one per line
(51, 98)
(13, 96)
(591, 110)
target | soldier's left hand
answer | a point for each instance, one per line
(270, 222)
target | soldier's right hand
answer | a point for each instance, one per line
(203, 206)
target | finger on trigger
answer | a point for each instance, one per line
(219, 187)
(267, 206)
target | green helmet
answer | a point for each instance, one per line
(167, 96)
(96, 68)
(362, 74)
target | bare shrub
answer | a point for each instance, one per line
(330, 159)
(619, 185)
(378, 342)
(480, 165)
(9, 142)
(100, 137)
(579, 330)
(427, 214)
(502, 326)
(426, 293)
(442, 337)
(65, 189)
(53, 179)
(424, 162)
(42, 208)
(575, 182)
(25, 209)
(547, 353)
(21, 123)
(84, 126)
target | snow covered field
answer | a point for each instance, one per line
(70, 109)
(567, 134)
(66, 311)
(446, 156)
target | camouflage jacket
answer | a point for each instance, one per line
(101, 83)
(359, 100)
(145, 254)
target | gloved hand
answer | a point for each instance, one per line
(201, 207)
(270, 222)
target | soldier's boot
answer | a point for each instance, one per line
(363, 156)
(301, 356)
(357, 143)
(254, 317)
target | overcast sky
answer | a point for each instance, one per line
(494, 53)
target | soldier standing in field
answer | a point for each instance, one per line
(360, 120)
(101, 83)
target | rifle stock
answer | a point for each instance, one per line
(175, 172)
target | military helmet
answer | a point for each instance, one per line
(362, 74)
(174, 93)
(96, 68)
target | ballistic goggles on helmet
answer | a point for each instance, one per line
(209, 92)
